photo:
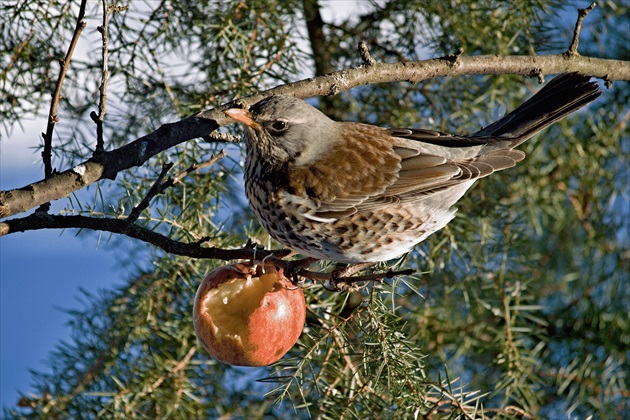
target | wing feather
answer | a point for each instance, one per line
(376, 168)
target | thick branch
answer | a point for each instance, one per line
(417, 71)
(105, 165)
(108, 164)
(319, 44)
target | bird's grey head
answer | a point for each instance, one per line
(287, 129)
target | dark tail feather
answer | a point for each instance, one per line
(563, 95)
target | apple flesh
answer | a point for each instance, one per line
(248, 317)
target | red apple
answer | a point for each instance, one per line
(248, 317)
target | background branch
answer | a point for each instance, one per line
(321, 53)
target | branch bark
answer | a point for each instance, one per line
(202, 124)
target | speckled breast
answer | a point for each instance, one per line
(357, 238)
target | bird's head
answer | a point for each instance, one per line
(284, 129)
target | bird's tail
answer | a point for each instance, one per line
(563, 95)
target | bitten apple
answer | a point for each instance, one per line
(248, 316)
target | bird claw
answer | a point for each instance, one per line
(293, 268)
(341, 279)
(341, 283)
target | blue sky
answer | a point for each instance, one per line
(41, 274)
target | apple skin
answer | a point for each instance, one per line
(246, 316)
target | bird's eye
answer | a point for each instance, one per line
(279, 125)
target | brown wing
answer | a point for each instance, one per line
(346, 177)
(452, 160)
(375, 169)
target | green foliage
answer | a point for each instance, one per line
(521, 304)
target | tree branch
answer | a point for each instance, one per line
(102, 104)
(178, 178)
(197, 249)
(159, 186)
(40, 220)
(368, 60)
(582, 13)
(350, 283)
(321, 49)
(319, 43)
(153, 191)
(52, 114)
(200, 125)
(105, 165)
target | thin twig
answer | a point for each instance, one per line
(509, 410)
(153, 191)
(52, 114)
(582, 13)
(179, 366)
(159, 186)
(454, 401)
(19, 49)
(192, 168)
(102, 104)
(368, 60)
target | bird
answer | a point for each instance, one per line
(356, 193)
